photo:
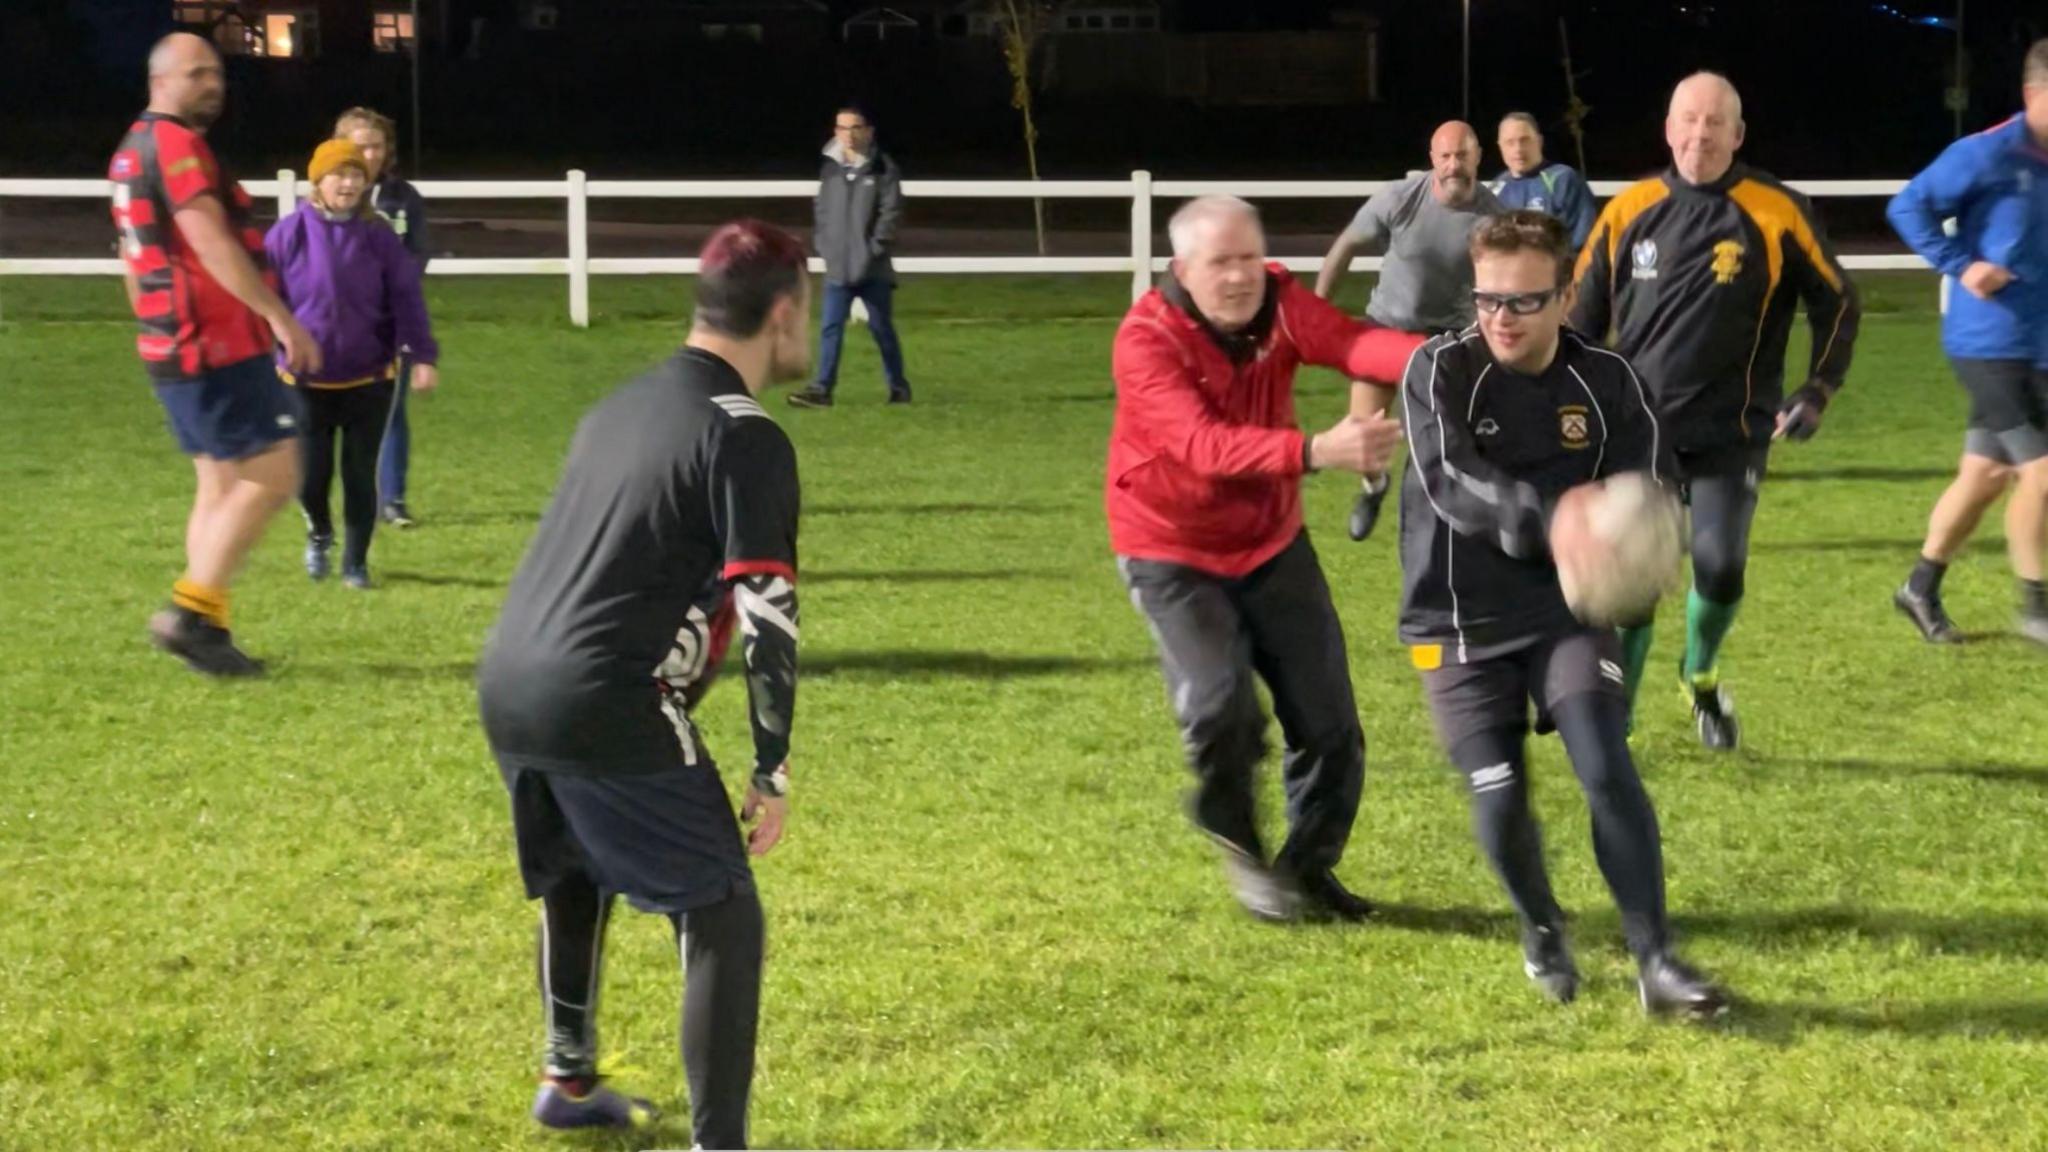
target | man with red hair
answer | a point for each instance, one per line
(1204, 505)
(679, 491)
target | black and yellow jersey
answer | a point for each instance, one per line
(1699, 283)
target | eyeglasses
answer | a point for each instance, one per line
(1519, 303)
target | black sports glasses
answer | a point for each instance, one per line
(1519, 303)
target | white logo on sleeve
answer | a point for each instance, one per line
(1612, 671)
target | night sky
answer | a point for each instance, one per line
(1834, 88)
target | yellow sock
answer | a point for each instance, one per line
(211, 603)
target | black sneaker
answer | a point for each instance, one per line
(395, 514)
(318, 563)
(356, 576)
(1365, 511)
(1928, 615)
(812, 397)
(1323, 897)
(1669, 986)
(1264, 893)
(1713, 712)
(202, 645)
(900, 395)
(2034, 628)
(1548, 961)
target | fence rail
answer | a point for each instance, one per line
(577, 190)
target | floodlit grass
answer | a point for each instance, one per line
(285, 914)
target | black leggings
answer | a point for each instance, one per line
(1625, 836)
(358, 415)
(1723, 500)
(721, 948)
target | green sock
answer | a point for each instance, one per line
(1706, 625)
(1635, 656)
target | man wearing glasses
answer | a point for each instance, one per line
(1510, 424)
(860, 201)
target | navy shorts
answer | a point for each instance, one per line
(668, 841)
(230, 413)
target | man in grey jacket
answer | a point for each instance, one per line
(860, 199)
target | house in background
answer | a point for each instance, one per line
(302, 29)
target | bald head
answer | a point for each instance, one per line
(1704, 127)
(1454, 162)
(186, 81)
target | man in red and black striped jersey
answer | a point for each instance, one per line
(1699, 271)
(208, 314)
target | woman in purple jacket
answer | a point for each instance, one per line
(348, 278)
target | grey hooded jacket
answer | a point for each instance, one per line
(856, 214)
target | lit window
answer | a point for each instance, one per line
(200, 12)
(392, 31)
(287, 35)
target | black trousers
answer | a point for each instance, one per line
(357, 415)
(1215, 634)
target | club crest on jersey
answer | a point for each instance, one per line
(1572, 427)
(1487, 427)
(1644, 257)
(1728, 261)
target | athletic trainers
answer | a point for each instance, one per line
(557, 1106)
(1928, 615)
(1365, 511)
(812, 397)
(1669, 986)
(1324, 897)
(356, 576)
(900, 395)
(1713, 711)
(2034, 628)
(1265, 894)
(201, 644)
(1547, 961)
(318, 563)
(396, 514)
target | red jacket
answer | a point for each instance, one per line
(1205, 460)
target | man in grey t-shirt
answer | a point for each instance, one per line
(1423, 225)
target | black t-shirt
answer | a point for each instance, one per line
(674, 483)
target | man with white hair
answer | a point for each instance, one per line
(1698, 271)
(1203, 499)
(1424, 226)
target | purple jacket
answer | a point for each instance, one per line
(356, 289)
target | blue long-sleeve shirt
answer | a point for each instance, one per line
(1995, 186)
(1554, 188)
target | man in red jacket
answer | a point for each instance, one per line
(1204, 507)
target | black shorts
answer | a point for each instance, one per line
(668, 841)
(1736, 463)
(230, 413)
(1494, 694)
(2008, 409)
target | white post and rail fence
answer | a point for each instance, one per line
(577, 190)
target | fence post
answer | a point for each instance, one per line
(1141, 233)
(579, 248)
(287, 192)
